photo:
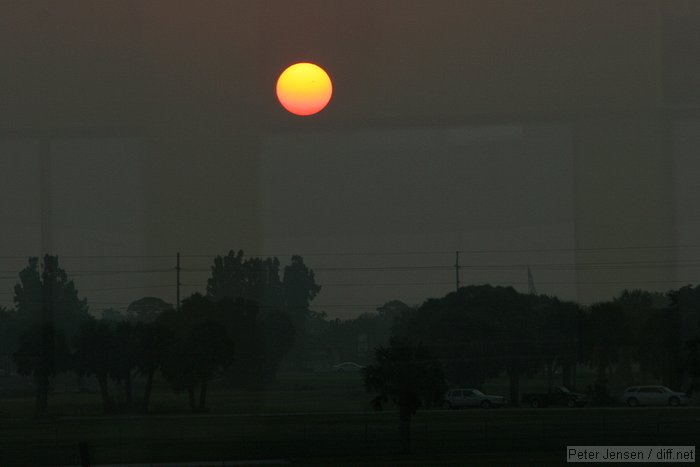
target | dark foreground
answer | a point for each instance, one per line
(467, 437)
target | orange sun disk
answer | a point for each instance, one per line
(304, 89)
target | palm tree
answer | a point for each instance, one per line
(405, 374)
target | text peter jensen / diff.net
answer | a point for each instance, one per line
(630, 454)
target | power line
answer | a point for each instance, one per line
(128, 288)
(446, 252)
(484, 267)
(379, 253)
(349, 268)
(407, 284)
(117, 272)
(71, 257)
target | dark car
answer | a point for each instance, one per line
(557, 396)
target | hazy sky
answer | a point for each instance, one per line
(565, 129)
(419, 190)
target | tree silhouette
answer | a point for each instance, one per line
(48, 296)
(47, 302)
(517, 338)
(405, 374)
(278, 334)
(236, 281)
(640, 308)
(154, 341)
(393, 310)
(9, 337)
(43, 353)
(686, 305)
(667, 334)
(253, 279)
(228, 277)
(692, 364)
(342, 335)
(200, 346)
(300, 288)
(125, 357)
(112, 314)
(242, 321)
(95, 354)
(147, 309)
(559, 338)
(258, 280)
(472, 332)
(605, 331)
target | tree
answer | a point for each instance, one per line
(147, 309)
(125, 358)
(9, 338)
(112, 314)
(665, 345)
(686, 303)
(605, 333)
(253, 279)
(559, 338)
(640, 308)
(477, 332)
(459, 335)
(154, 341)
(343, 336)
(299, 288)
(48, 306)
(253, 332)
(42, 353)
(693, 365)
(236, 282)
(95, 354)
(200, 347)
(517, 339)
(393, 310)
(661, 347)
(278, 334)
(48, 296)
(405, 374)
(145, 344)
(228, 277)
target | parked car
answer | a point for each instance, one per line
(653, 395)
(347, 367)
(559, 395)
(468, 397)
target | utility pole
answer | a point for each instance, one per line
(178, 284)
(457, 271)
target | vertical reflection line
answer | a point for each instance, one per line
(45, 194)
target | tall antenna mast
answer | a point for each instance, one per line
(457, 271)
(531, 282)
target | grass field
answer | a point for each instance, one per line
(321, 420)
(347, 436)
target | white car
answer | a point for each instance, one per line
(468, 397)
(347, 367)
(653, 395)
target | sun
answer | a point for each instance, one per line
(304, 89)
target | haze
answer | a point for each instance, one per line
(454, 126)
